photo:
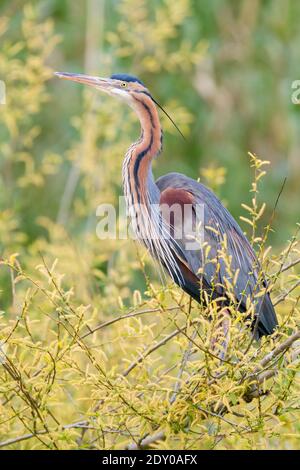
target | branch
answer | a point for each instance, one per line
(25, 437)
(263, 375)
(152, 349)
(280, 349)
(127, 315)
(290, 265)
(284, 296)
(147, 441)
(186, 356)
(253, 390)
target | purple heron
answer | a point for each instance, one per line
(196, 271)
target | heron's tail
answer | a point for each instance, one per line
(267, 320)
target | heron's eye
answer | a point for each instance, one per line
(123, 84)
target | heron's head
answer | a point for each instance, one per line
(126, 87)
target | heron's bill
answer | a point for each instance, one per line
(103, 83)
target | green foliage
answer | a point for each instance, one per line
(95, 353)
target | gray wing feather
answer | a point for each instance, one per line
(217, 222)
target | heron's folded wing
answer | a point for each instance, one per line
(224, 259)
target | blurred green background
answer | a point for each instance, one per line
(223, 69)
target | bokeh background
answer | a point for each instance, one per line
(223, 70)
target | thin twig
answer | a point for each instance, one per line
(147, 441)
(285, 295)
(25, 437)
(184, 361)
(152, 349)
(281, 348)
(127, 315)
(289, 266)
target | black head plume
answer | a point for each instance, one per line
(169, 117)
